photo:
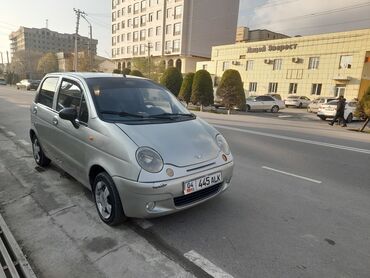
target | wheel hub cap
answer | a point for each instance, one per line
(102, 199)
(36, 150)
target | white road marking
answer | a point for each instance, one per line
(143, 223)
(206, 265)
(285, 116)
(329, 145)
(24, 143)
(290, 174)
(10, 134)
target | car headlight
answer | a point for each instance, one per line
(149, 160)
(221, 142)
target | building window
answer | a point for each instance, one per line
(143, 6)
(176, 45)
(150, 32)
(345, 62)
(129, 50)
(136, 8)
(135, 50)
(135, 36)
(273, 87)
(129, 22)
(176, 29)
(150, 17)
(142, 20)
(225, 65)
(316, 89)
(249, 65)
(142, 49)
(158, 31)
(159, 14)
(157, 46)
(168, 12)
(168, 45)
(129, 9)
(142, 35)
(313, 63)
(292, 88)
(128, 36)
(168, 29)
(178, 12)
(136, 22)
(252, 86)
(277, 64)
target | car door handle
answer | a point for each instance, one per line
(55, 121)
(34, 110)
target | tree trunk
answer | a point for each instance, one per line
(365, 124)
(229, 111)
(201, 107)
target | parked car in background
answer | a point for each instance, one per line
(276, 96)
(28, 84)
(2, 81)
(297, 101)
(328, 110)
(264, 103)
(314, 106)
(129, 141)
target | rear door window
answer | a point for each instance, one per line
(47, 91)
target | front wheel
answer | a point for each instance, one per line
(275, 109)
(350, 118)
(107, 200)
(300, 105)
(38, 154)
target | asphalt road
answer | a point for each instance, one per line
(299, 205)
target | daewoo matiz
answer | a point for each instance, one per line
(130, 141)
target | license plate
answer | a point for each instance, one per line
(201, 183)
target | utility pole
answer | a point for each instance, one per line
(89, 46)
(2, 60)
(149, 46)
(47, 23)
(78, 14)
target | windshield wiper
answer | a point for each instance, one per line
(172, 115)
(122, 114)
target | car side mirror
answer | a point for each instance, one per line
(69, 114)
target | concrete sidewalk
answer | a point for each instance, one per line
(56, 224)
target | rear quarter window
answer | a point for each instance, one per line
(47, 91)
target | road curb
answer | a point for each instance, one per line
(14, 263)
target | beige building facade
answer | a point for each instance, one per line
(44, 40)
(175, 32)
(244, 34)
(321, 65)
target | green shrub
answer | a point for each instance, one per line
(231, 90)
(136, 73)
(185, 90)
(125, 71)
(172, 80)
(117, 71)
(202, 88)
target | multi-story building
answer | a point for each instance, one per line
(244, 34)
(44, 40)
(327, 64)
(176, 32)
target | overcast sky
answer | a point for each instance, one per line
(292, 17)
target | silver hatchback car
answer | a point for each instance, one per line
(130, 141)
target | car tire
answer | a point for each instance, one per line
(38, 154)
(322, 118)
(107, 200)
(275, 109)
(17, 88)
(349, 118)
(300, 105)
(247, 108)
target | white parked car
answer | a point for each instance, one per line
(297, 101)
(327, 111)
(267, 103)
(314, 106)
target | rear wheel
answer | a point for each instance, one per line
(350, 118)
(247, 108)
(107, 200)
(300, 105)
(275, 109)
(322, 118)
(38, 154)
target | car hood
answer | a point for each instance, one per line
(179, 143)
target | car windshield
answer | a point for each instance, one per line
(135, 100)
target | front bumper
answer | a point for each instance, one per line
(135, 196)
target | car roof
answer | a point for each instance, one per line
(87, 75)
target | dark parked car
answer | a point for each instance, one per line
(28, 84)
